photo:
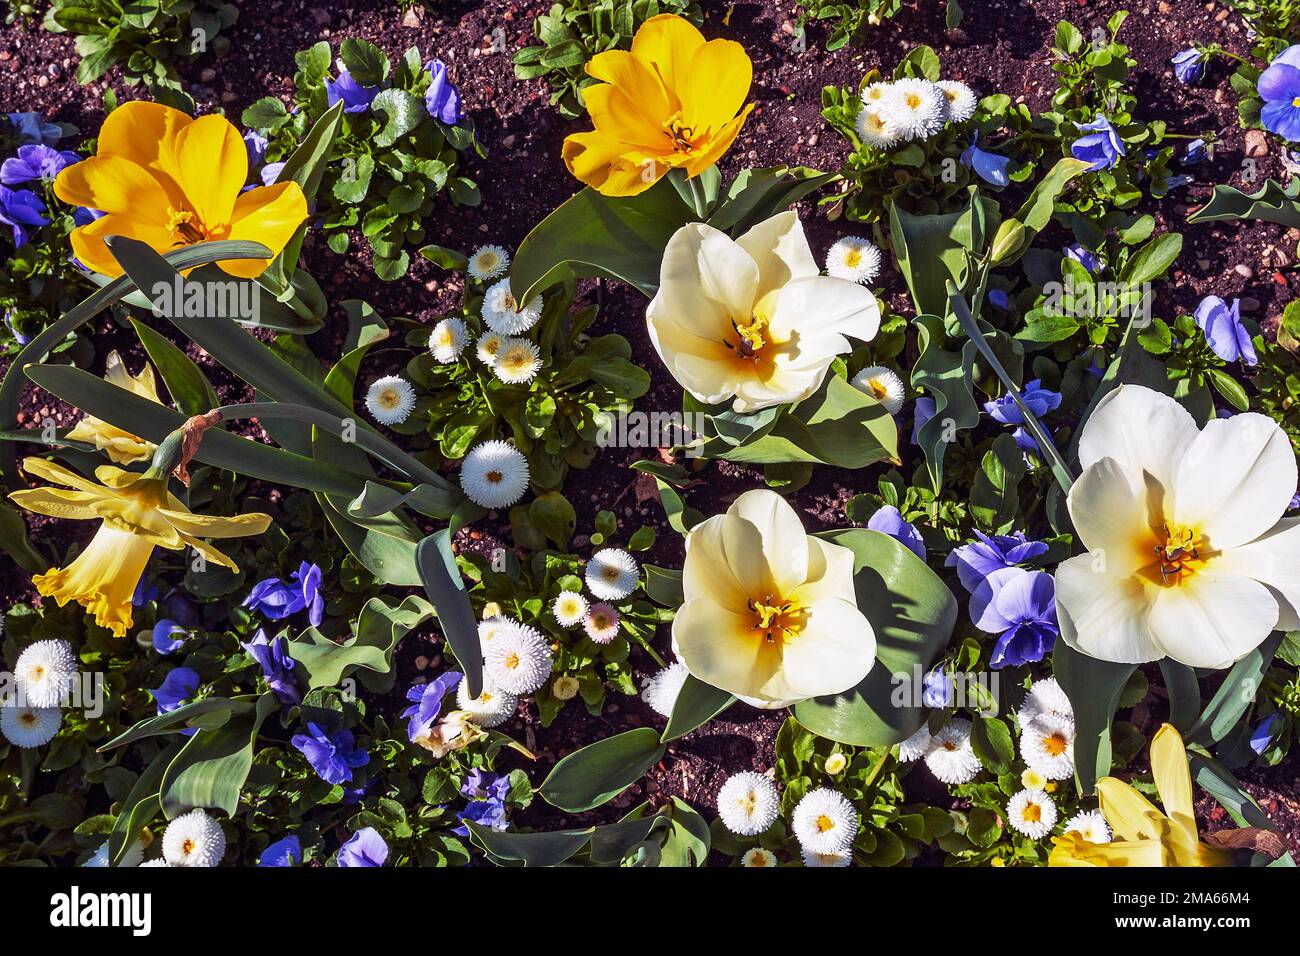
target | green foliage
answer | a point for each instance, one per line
(850, 23)
(574, 31)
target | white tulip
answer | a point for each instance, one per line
(752, 320)
(1189, 556)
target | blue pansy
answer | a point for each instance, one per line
(937, 689)
(889, 520)
(332, 755)
(1196, 152)
(1279, 88)
(1262, 737)
(277, 666)
(32, 128)
(1101, 148)
(1189, 65)
(922, 412)
(999, 299)
(356, 98)
(991, 167)
(486, 792)
(1025, 441)
(22, 210)
(277, 599)
(271, 172)
(178, 687)
(427, 703)
(255, 145)
(164, 636)
(365, 848)
(441, 100)
(1020, 607)
(1085, 257)
(1039, 400)
(36, 163)
(992, 552)
(1221, 323)
(286, 852)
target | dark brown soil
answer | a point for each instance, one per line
(1001, 46)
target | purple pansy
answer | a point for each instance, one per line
(486, 792)
(1102, 147)
(889, 520)
(356, 98)
(21, 209)
(32, 128)
(991, 167)
(270, 173)
(1221, 323)
(1189, 65)
(277, 599)
(1262, 737)
(365, 848)
(992, 552)
(1085, 257)
(39, 162)
(178, 687)
(922, 412)
(1020, 607)
(1279, 88)
(1196, 152)
(427, 703)
(286, 852)
(937, 689)
(999, 299)
(333, 756)
(1039, 400)
(255, 144)
(442, 100)
(164, 640)
(277, 666)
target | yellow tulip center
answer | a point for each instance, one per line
(754, 334)
(185, 226)
(1178, 556)
(775, 618)
(1032, 813)
(679, 134)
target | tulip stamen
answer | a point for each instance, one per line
(772, 618)
(1176, 558)
(679, 133)
(185, 225)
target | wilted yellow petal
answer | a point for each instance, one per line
(216, 526)
(58, 502)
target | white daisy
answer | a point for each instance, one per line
(390, 399)
(883, 385)
(660, 691)
(1047, 744)
(1090, 825)
(569, 608)
(488, 262)
(30, 727)
(488, 347)
(612, 574)
(878, 94)
(518, 659)
(133, 857)
(876, 128)
(494, 474)
(950, 756)
(503, 314)
(748, 803)
(491, 708)
(917, 108)
(517, 361)
(194, 839)
(960, 100)
(1032, 813)
(915, 746)
(843, 858)
(45, 673)
(488, 628)
(601, 623)
(855, 259)
(447, 340)
(1045, 697)
(158, 862)
(824, 821)
(757, 856)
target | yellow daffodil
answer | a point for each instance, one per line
(121, 446)
(673, 102)
(138, 512)
(1143, 835)
(770, 613)
(170, 180)
(752, 320)
(1189, 555)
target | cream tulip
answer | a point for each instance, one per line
(752, 320)
(1188, 555)
(769, 612)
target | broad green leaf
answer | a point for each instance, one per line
(596, 773)
(379, 627)
(697, 703)
(212, 766)
(188, 387)
(446, 589)
(1271, 203)
(1235, 694)
(946, 376)
(210, 713)
(1094, 688)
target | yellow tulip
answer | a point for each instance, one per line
(138, 512)
(752, 320)
(170, 180)
(673, 102)
(121, 446)
(1143, 835)
(770, 613)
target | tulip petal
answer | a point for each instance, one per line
(701, 159)
(716, 85)
(1131, 815)
(1271, 559)
(1110, 517)
(619, 117)
(834, 651)
(212, 165)
(91, 251)
(1235, 480)
(144, 133)
(113, 184)
(668, 43)
(1143, 430)
(776, 562)
(1173, 778)
(720, 647)
(706, 572)
(1211, 619)
(600, 162)
(780, 249)
(631, 86)
(830, 572)
(269, 215)
(1103, 615)
(822, 305)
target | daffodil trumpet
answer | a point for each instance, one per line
(137, 513)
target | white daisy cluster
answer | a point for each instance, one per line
(494, 474)
(194, 839)
(390, 400)
(518, 658)
(825, 824)
(660, 691)
(1047, 730)
(134, 855)
(44, 677)
(748, 803)
(569, 609)
(601, 623)
(505, 315)
(949, 754)
(882, 384)
(911, 109)
(491, 708)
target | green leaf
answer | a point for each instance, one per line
(1094, 688)
(188, 386)
(402, 112)
(210, 713)
(212, 766)
(1036, 211)
(594, 235)
(596, 773)
(1184, 694)
(994, 499)
(1235, 694)
(697, 703)
(16, 543)
(365, 61)
(552, 514)
(378, 629)
(1270, 202)
(912, 613)
(1153, 260)
(946, 376)
(446, 589)
(932, 249)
